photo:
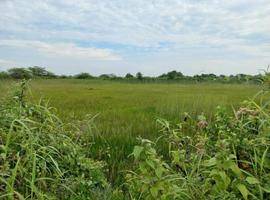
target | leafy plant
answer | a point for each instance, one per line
(226, 158)
(38, 156)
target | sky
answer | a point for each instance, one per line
(150, 36)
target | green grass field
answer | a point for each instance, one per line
(125, 111)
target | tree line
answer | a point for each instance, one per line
(41, 72)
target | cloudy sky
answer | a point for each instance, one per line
(151, 36)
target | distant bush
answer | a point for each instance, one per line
(20, 73)
(139, 76)
(108, 76)
(83, 76)
(128, 75)
(27, 73)
(170, 77)
(41, 72)
(4, 75)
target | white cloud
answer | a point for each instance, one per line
(116, 28)
(65, 50)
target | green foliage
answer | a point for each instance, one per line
(154, 179)
(27, 73)
(128, 75)
(173, 75)
(226, 158)
(38, 156)
(41, 72)
(139, 76)
(20, 73)
(83, 76)
(4, 75)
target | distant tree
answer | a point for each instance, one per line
(63, 76)
(163, 76)
(104, 76)
(83, 76)
(4, 75)
(108, 76)
(41, 72)
(20, 73)
(128, 75)
(139, 76)
(174, 75)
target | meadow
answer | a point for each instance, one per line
(121, 112)
(132, 109)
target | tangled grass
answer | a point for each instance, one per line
(227, 158)
(42, 157)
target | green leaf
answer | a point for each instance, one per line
(234, 167)
(150, 163)
(210, 162)
(137, 151)
(159, 172)
(252, 180)
(154, 192)
(242, 188)
(266, 190)
(226, 179)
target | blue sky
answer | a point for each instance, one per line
(151, 36)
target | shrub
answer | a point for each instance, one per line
(4, 75)
(83, 76)
(39, 158)
(226, 158)
(41, 72)
(20, 73)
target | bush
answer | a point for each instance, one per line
(83, 76)
(41, 72)
(42, 157)
(226, 158)
(20, 73)
(4, 75)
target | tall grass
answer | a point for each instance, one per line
(226, 158)
(42, 157)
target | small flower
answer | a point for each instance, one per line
(202, 124)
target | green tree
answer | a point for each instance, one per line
(20, 73)
(41, 72)
(4, 75)
(83, 76)
(174, 75)
(128, 75)
(139, 76)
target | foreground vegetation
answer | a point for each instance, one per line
(223, 155)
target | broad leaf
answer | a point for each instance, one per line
(137, 151)
(242, 188)
(252, 180)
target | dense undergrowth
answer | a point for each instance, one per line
(225, 158)
(42, 157)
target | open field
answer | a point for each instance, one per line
(131, 109)
(93, 152)
(125, 111)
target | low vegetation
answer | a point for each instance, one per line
(172, 76)
(222, 156)
(228, 158)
